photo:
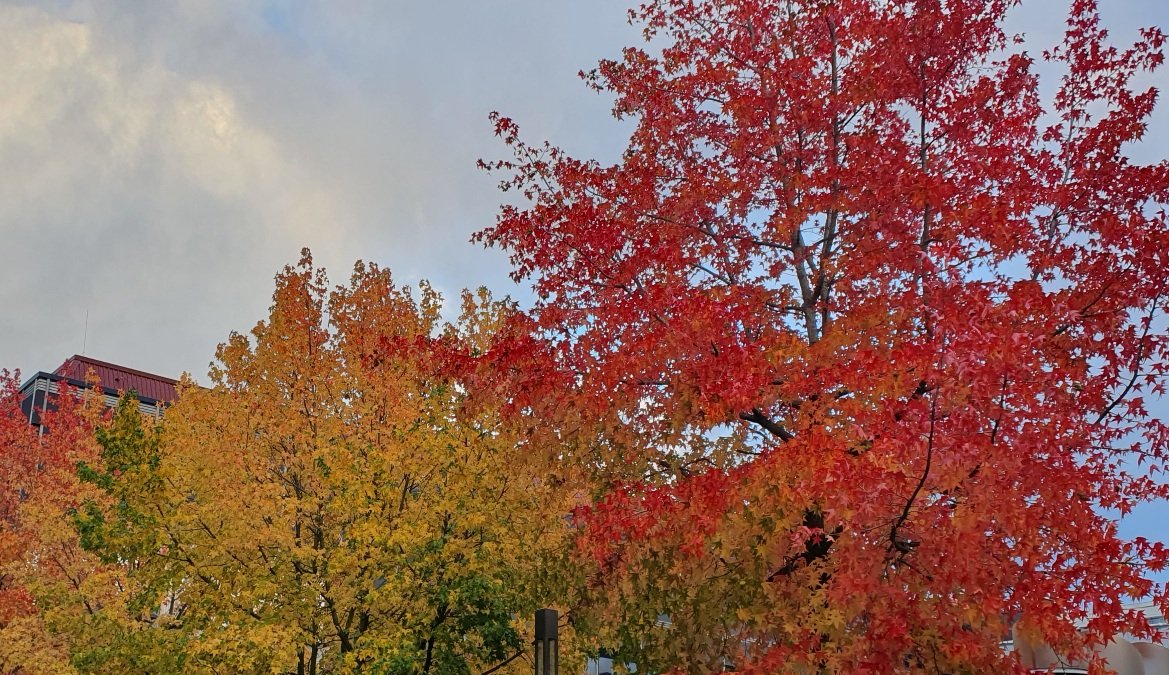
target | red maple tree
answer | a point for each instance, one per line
(38, 452)
(16, 466)
(871, 328)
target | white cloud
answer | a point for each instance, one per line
(146, 197)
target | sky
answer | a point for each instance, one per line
(161, 161)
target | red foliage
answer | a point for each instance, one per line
(33, 461)
(16, 436)
(921, 314)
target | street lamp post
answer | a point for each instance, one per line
(546, 661)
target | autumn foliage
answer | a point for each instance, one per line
(848, 365)
(339, 500)
(875, 324)
(48, 582)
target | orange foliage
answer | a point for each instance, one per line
(40, 556)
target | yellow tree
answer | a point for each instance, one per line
(340, 499)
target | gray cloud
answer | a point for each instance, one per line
(159, 162)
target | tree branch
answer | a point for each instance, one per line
(756, 416)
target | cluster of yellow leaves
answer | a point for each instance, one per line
(341, 500)
(341, 505)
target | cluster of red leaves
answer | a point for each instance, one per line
(887, 322)
(35, 461)
(15, 468)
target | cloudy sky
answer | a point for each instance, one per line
(159, 162)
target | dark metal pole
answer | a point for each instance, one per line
(546, 642)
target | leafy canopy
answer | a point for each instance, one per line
(873, 334)
(345, 498)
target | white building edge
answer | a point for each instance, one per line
(1125, 655)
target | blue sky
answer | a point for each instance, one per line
(160, 161)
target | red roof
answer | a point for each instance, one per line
(112, 376)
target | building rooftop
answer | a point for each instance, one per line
(119, 378)
(154, 392)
